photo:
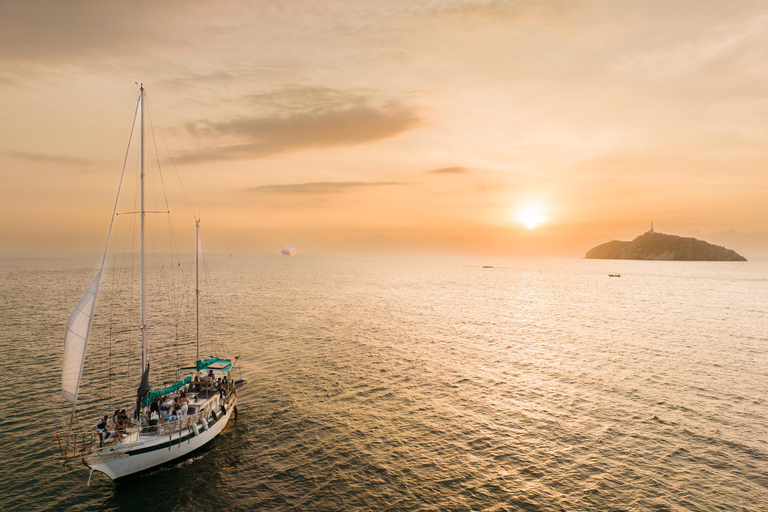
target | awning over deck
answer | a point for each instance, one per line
(150, 397)
(216, 364)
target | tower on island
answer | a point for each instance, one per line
(651, 230)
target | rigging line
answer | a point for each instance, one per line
(163, 278)
(157, 157)
(175, 285)
(118, 283)
(172, 240)
(173, 163)
(123, 272)
(111, 320)
(172, 236)
(206, 305)
(174, 243)
(111, 224)
(132, 235)
(122, 174)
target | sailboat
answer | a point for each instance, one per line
(167, 424)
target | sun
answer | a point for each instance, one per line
(530, 214)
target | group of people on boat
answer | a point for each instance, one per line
(221, 385)
(163, 409)
(113, 428)
(168, 409)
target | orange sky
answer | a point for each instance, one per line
(394, 126)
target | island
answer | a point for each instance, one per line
(658, 246)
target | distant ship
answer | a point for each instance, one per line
(288, 251)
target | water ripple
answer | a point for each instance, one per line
(393, 383)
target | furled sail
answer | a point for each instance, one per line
(76, 340)
(144, 385)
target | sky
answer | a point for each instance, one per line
(521, 128)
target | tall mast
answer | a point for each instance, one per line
(197, 285)
(143, 268)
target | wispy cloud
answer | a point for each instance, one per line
(48, 159)
(321, 187)
(302, 118)
(503, 9)
(448, 170)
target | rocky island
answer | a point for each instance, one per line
(658, 246)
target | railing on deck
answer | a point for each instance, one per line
(79, 444)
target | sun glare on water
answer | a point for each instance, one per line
(530, 215)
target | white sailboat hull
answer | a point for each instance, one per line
(131, 459)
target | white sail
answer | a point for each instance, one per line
(76, 340)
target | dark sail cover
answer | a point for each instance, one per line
(144, 386)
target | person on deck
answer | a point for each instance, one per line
(154, 409)
(101, 429)
(175, 409)
(112, 423)
(165, 408)
(184, 405)
(220, 389)
(120, 429)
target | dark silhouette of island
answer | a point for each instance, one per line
(658, 246)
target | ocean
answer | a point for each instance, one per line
(417, 383)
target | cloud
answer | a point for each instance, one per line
(46, 31)
(503, 9)
(309, 98)
(448, 170)
(322, 187)
(48, 159)
(300, 118)
(8, 80)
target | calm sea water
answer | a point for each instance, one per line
(419, 383)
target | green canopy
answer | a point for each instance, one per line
(150, 397)
(202, 365)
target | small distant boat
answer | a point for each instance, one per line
(288, 251)
(487, 266)
(614, 275)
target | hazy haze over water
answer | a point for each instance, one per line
(427, 383)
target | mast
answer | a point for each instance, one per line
(197, 287)
(143, 268)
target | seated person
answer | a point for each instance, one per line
(119, 430)
(174, 409)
